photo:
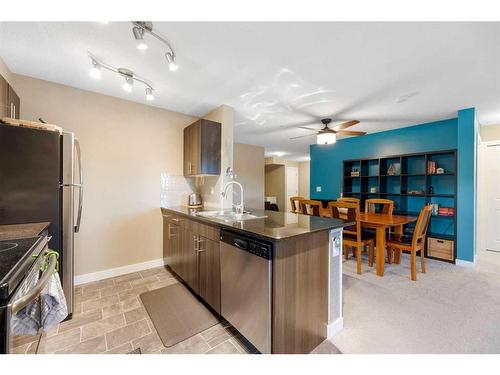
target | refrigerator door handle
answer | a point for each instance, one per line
(80, 185)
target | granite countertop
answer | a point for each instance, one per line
(276, 226)
(18, 231)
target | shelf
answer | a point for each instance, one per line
(441, 174)
(449, 237)
(390, 175)
(413, 175)
(441, 195)
(352, 176)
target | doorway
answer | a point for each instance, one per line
(492, 190)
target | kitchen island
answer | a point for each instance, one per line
(305, 280)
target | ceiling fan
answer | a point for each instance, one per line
(328, 135)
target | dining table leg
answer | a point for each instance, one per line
(380, 234)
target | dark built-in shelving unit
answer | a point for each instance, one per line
(412, 175)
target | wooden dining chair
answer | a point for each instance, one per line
(352, 235)
(295, 204)
(386, 204)
(310, 207)
(399, 243)
(349, 200)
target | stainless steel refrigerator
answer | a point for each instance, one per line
(41, 179)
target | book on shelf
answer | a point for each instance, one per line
(431, 167)
(446, 211)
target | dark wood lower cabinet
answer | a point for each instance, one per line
(192, 251)
(209, 272)
(189, 260)
(300, 293)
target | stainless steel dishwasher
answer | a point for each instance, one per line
(246, 281)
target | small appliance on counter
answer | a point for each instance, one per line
(194, 200)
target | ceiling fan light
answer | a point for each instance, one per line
(326, 138)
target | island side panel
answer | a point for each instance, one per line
(300, 293)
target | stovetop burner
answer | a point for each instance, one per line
(5, 246)
(15, 255)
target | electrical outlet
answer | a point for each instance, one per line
(318, 189)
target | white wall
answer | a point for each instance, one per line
(304, 179)
(211, 186)
(249, 169)
(126, 147)
(5, 72)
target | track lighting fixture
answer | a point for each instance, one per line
(171, 62)
(149, 94)
(146, 27)
(128, 84)
(129, 76)
(95, 71)
(139, 38)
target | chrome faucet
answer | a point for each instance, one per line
(240, 209)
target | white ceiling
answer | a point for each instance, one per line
(279, 75)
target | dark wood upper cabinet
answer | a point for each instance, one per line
(202, 148)
(14, 103)
(10, 104)
(4, 98)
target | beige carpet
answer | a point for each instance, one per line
(450, 309)
(176, 313)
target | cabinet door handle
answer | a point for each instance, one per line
(196, 244)
(170, 234)
(200, 241)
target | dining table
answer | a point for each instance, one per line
(380, 222)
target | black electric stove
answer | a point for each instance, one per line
(16, 258)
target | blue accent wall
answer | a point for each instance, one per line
(326, 160)
(466, 183)
(456, 133)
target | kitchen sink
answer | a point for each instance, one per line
(229, 215)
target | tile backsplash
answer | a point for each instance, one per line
(175, 189)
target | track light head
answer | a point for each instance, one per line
(95, 71)
(149, 94)
(139, 38)
(171, 62)
(127, 85)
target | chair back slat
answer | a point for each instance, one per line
(351, 215)
(387, 205)
(420, 230)
(349, 200)
(309, 207)
(295, 203)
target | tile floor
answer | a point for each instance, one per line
(109, 318)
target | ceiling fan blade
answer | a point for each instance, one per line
(345, 125)
(305, 127)
(350, 132)
(302, 136)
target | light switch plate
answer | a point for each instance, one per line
(318, 189)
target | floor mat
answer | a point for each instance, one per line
(176, 313)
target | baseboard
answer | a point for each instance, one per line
(113, 272)
(334, 328)
(464, 263)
